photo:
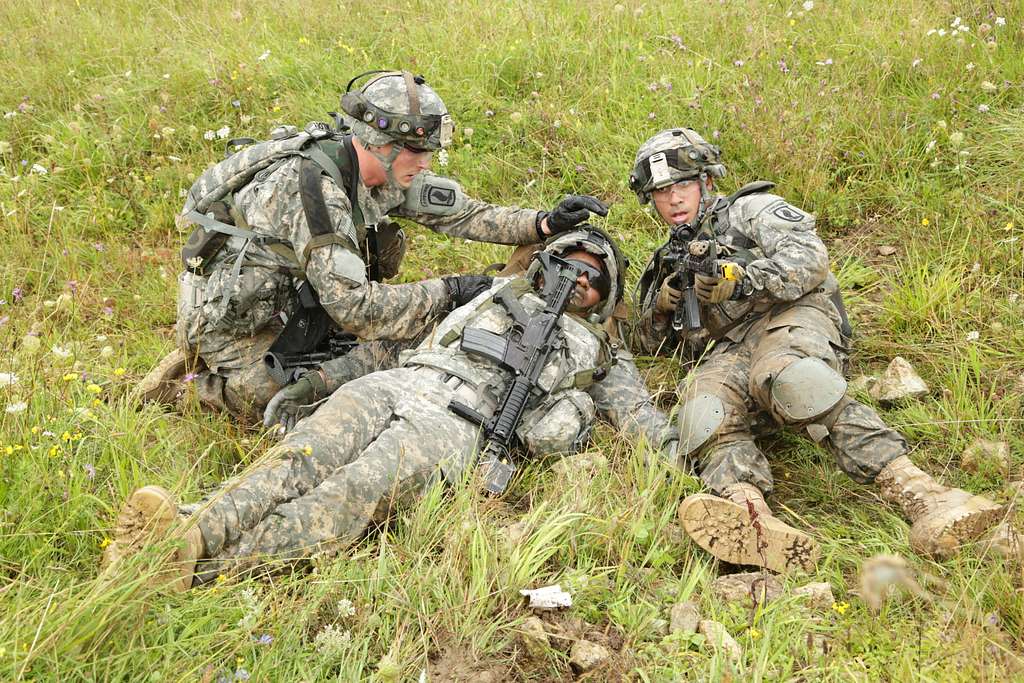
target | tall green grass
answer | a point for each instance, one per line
(891, 136)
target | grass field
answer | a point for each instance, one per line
(898, 125)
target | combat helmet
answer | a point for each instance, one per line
(395, 106)
(671, 156)
(599, 243)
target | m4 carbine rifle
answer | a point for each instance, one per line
(524, 351)
(684, 258)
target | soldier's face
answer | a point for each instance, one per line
(584, 296)
(409, 163)
(678, 203)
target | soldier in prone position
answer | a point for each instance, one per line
(780, 343)
(383, 438)
(300, 222)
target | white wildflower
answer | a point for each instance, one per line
(973, 335)
(442, 158)
(266, 53)
(970, 66)
(916, 63)
(209, 135)
(957, 138)
(10, 114)
(983, 108)
(956, 22)
(1000, 21)
(8, 379)
(941, 32)
(930, 147)
(107, 352)
(989, 86)
(5, 147)
(41, 170)
(18, 407)
(332, 641)
(808, 5)
(223, 132)
(345, 608)
(61, 351)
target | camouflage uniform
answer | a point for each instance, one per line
(231, 330)
(787, 314)
(381, 439)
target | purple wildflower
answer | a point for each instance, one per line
(678, 41)
(73, 286)
(108, 311)
(189, 377)
(783, 67)
(241, 675)
(265, 639)
(90, 470)
(99, 246)
(17, 294)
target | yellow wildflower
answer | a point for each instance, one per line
(54, 451)
(753, 633)
(119, 372)
(93, 388)
(925, 221)
(1009, 226)
(66, 436)
(70, 377)
(105, 542)
(303, 40)
(792, 22)
(8, 450)
(97, 402)
(37, 429)
(307, 450)
(840, 607)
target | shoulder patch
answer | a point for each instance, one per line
(789, 214)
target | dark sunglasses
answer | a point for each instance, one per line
(596, 278)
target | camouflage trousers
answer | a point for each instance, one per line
(242, 386)
(740, 374)
(377, 443)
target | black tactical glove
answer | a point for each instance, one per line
(570, 212)
(462, 288)
(295, 401)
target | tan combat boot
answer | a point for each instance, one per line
(740, 528)
(942, 518)
(162, 384)
(147, 517)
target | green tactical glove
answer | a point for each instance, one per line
(295, 401)
(668, 297)
(714, 289)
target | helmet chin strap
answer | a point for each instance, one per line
(386, 161)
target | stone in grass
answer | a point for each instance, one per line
(886, 250)
(984, 454)
(718, 638)
(534, 638)
(685, 618)
(586, 656)
(747, 588)
(818, 595)
(899, 382)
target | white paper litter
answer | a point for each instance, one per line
(548, 597)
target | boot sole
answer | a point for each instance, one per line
(726, 530)
(160, 385)
(940, 536)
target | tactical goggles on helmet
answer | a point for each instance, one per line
(423, 131)
(662, 169)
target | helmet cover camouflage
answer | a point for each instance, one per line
(395, 106)
(595, 241)
(671, 156)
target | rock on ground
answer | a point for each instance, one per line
(899, 382)
(534, 638)
(747, 588)
(719, 639)
(585, 655)
(685, 618)
(819, 595)
(985, 454)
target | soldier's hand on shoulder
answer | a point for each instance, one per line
(573, 210)
(463, 288)
(668, 296)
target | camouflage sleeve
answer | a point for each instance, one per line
(794, 261)
(623, 399)
(369, 310)
(478, 221)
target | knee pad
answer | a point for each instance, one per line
(806, 389)
(699, 419)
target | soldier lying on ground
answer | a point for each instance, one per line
(382, 439)
(750, 273)
(296, 229)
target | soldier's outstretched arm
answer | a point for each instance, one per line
(794, 261)
(623, 399)
(438, 203)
